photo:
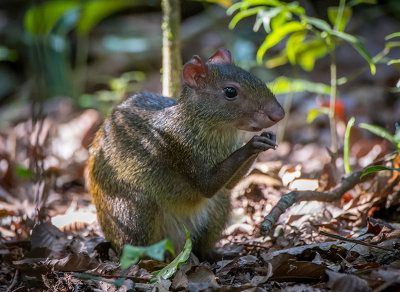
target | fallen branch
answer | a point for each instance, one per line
(354, 241)
(297, 196)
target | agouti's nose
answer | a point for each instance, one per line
(276, 112)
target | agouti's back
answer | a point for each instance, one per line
(158, 164)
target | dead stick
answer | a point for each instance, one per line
(297, 196)
(353, 240)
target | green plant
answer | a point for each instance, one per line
(346, 147)
(381, 132)
(307, 38)
(47, 25)
(376, 168)
(105, 100)
(169, 270)
(132, 254)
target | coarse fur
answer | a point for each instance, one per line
(153, 157)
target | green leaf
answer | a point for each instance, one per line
(22, 172)
(278, 60)
(293, 44)
(356, 43)
(391, 62)
(283, 85)
(8, 54)
(276, 36)
(390, 45)
(377, 168)
(170, 270)
(318, 23)
(279, 20)
(264, 17)
(357, 2)
(242, 14)
(132, 254)
(392, 35)
(316, 112)
(346, 149)
(42, 18)
(332, 15)
(295, 7)
(309, 52)
(379, 131)
(94, 11)
(243, 5)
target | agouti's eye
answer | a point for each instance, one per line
(230, 92)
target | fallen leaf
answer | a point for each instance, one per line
(46, 235)
(343, 282)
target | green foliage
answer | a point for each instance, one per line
(370, 169)
(47, 25)
(105, 100)
(346, 148)
(170, 270)
(392, 35)
(308, 38)
(43, 18)
(132, 254)
(277, 35)
(357, 2)
(333, 17)
(379, 131)
(316, 112)
(22, 172)
(283, 85)
(390, 45)
(7, 54)
(94, 11)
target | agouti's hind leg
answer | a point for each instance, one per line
(121, 227)
(204, 244)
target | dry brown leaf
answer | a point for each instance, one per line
(46, 235)
(343, 282)
(201, 274)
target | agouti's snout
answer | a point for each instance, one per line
(276, 112)
(266, 117)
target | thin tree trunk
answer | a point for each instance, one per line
(171, 51)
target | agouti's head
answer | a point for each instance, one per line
(229, 95)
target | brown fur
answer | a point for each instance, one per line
(153, 159)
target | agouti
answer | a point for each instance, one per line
(158, 164)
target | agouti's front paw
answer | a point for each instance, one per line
(257, 144)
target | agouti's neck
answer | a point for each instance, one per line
(201, 133)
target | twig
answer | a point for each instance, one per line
(353, 240)
(14, 281)
(297, 196)
(255, 245)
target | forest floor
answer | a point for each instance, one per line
(351, 244)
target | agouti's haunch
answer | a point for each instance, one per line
(158, 164)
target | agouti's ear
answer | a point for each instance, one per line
(195, 72)
(222, 56)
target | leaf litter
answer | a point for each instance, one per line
(349, 245)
